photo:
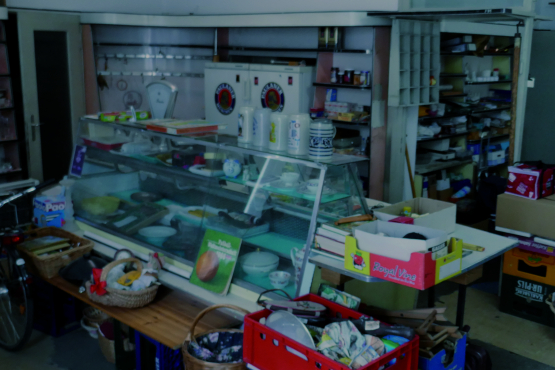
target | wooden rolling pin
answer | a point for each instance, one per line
(472, 247)
(348, 220)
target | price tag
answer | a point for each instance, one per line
(371, 325)
(78, 160)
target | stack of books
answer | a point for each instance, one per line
(331, 238)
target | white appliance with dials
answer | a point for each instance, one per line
(228, 86)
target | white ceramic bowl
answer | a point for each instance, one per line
(259, 263)
(290, 177)
(157, 234)
(279, 279)
(259, 270)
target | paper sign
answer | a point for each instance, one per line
(216, 261)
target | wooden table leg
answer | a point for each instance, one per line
(461, 302)
(124, 360)
(432, 296)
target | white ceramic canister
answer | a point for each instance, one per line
(261, 127)
(245, 125)
(279, 131)
(298, 134)
(322, 132)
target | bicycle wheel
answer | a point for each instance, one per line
(16, 307)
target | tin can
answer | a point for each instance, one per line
(357, 78)
(365, 75)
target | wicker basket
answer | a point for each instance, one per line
(48, 266)
(122, 298)
(94, 316)
(193, 363)
(107, 347)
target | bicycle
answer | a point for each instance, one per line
(16, 305)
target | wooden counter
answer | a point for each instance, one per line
(166, 320)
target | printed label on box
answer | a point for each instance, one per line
(530, 291)
(355, 259)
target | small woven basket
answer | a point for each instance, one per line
(122, 298)
(48, 266)
(94, 316)
(193, 363)
(107, 347)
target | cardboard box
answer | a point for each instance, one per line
(49, 211)
(387, 239)
(445, 195)
(441, 215)
(531, 216)
(436, 362)
(420, 271)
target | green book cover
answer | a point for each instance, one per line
(216, 261)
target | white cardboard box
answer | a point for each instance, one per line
(441, 215)
(394, 245)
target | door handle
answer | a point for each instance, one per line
(33, 126)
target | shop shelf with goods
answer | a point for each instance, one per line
(476, 88)
(13, 154)
(181, 186)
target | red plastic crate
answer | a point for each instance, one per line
(266, 349)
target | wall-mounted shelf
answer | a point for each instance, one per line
(150, 74)
(155, 45)
(452, 96)
(463, 113)
(422, 169)
(487, 82)
(453, 75)
(441, 137)
(342, 86)
(493, 137)
(121, 56)
(317, 50)
(352, 123)
(473, 54)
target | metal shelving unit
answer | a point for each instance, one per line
(487, 82)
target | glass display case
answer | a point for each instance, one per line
(162, 192)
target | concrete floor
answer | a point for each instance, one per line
(73, 351)
(78, 351)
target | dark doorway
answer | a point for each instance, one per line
(51, 61)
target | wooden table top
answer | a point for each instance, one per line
(167, 319)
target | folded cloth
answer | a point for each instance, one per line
(343, 342)
(220, 347)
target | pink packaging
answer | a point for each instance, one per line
(530, 182)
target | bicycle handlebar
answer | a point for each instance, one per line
(30, 190)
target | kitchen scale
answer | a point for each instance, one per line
(161, 97)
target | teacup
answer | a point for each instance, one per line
(312, 185)
(279, 279)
